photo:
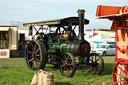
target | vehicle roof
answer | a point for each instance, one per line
(57, 22)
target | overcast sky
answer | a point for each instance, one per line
(37, 10)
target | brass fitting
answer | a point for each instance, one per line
(81, 11)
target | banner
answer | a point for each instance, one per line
(4, 53)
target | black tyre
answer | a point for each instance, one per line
(104, 53)
(36, 55)
(67, 65)
(95, 64)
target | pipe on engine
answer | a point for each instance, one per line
(81, 24)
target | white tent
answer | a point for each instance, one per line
(26, 32)
(100, 37)
(109, 39)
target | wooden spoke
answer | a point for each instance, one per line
(63, 62)
(120, 81)
(70, 61)
(36, 64)
(37, 59)
(35, 46)
(92, 70)
(32, 45)
(31, 60)
(120, 75)
(31, 56)
(97, 59)
(32, 64)
(30, 52)
(126, 83)
(37, 50)
(37, 54)
(63, 66)
(89, 69)
(96, 69)
(68, 71)
(67, 58)
(70, 64)
(90, 60)
(122, 70)
(71, 68)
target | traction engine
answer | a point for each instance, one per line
(62, 47)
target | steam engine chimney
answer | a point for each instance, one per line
(81, 24)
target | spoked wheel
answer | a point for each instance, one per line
(120, 73)
(36, 55)
(95, 64)
(67, 65)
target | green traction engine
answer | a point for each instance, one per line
(60, 46)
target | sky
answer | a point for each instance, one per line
(38, 10)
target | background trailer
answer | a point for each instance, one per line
(8, 41)
(119, 16)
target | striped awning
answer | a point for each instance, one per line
(4, 28)
(57, 22)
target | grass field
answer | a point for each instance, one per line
(14, 71)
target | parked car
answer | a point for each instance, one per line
(106, 49)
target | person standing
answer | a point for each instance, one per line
(20, 49)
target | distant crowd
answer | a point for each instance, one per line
(22, 45)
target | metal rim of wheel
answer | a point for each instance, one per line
(95, 64)
(36, 55)
(67, 65)
(121, 78)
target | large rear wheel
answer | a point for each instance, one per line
(36, 55)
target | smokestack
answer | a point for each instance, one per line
(81, 24)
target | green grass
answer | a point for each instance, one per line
(14, 71)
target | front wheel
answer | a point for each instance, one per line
(36, 55)
(67, 65)
(95, 64)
